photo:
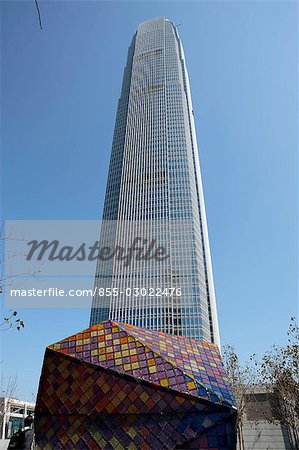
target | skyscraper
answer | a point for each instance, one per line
(154, 178)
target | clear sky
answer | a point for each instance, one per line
(60, 88)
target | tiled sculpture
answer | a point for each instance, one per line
(116, 386)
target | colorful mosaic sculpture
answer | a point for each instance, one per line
(116, 386)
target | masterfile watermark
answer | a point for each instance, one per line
(48, 260)
(52, 291)
(141, 250)
(99, 291)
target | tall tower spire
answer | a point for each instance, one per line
(154, 175)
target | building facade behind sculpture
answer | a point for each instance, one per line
(262, 427)
(12, 415)
(154, 183)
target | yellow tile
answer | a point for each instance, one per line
(144, 396)
(133, 351)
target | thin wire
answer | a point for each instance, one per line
(39, 16)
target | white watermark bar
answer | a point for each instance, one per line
(70, 263)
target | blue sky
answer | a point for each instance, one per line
(60, 88)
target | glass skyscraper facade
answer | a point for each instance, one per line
(154, 184)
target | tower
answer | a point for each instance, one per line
(154, 180)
